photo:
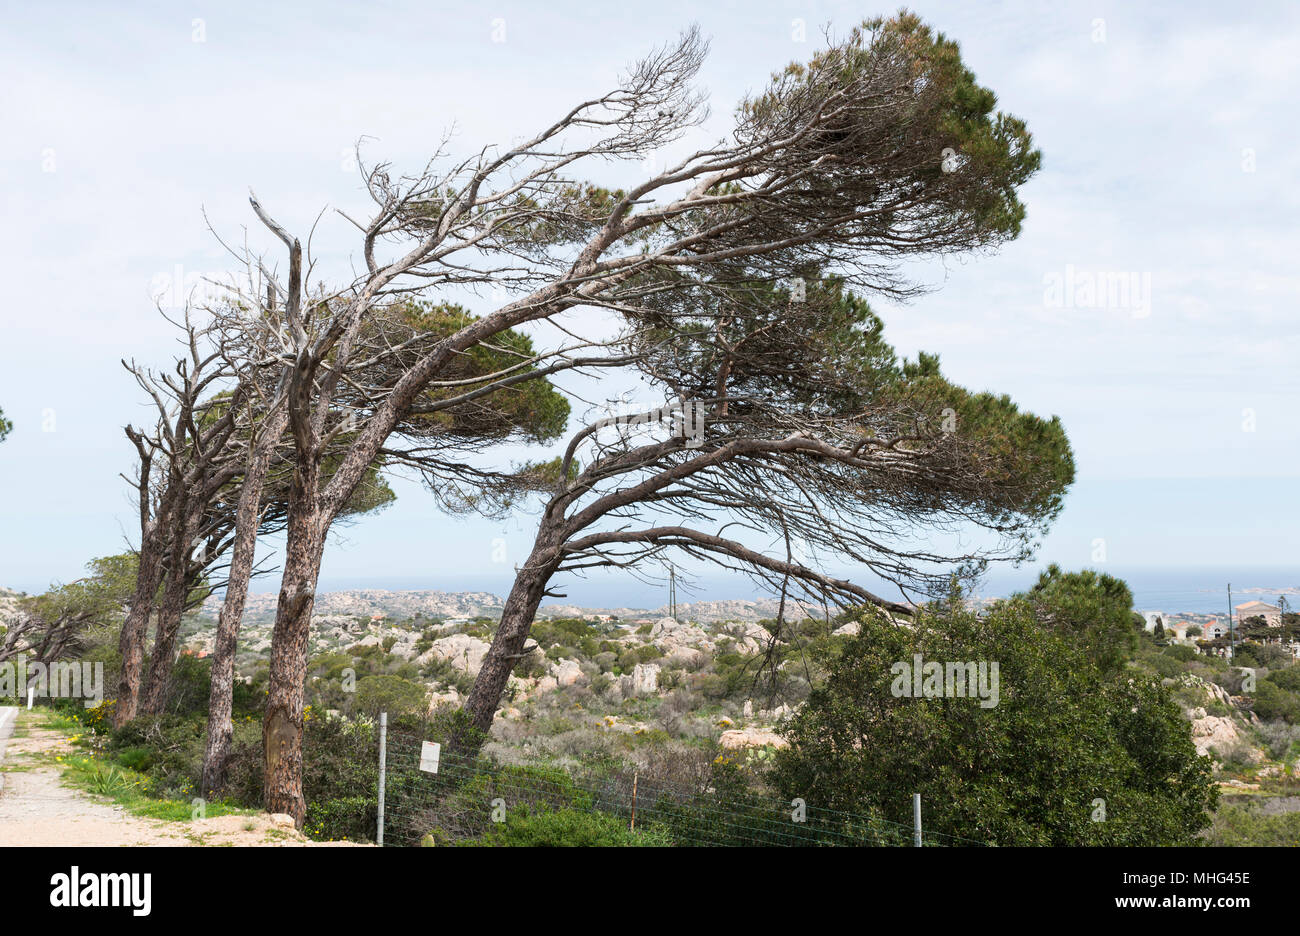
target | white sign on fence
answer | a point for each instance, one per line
(429, 752)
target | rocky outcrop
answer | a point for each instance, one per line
(752, 737)
(1212, 734)
(1218, 736)
(749, 637)
(566, 672)
(439, 699)
(461, 650)
(682, 643)
(1213, 691)
(643, 680)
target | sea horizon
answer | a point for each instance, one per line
(1186, 590)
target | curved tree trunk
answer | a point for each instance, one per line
(282, 722)
(505, 653)
(136, 625)
(158, 683)
(175, 593)
(247, 520)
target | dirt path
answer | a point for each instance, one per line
(37, 809)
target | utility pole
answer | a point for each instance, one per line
(672, 592)
(1283, 637)
(383, 773)
(1232, 642)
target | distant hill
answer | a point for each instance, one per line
(702, 611)
(9, 605)
(260, 608)
(400, 605)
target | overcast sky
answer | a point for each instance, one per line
(1171, 153)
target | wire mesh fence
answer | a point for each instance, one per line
(499, 804)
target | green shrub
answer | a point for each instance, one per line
(1287, 677)
(1272, 702)
(108, 779)
(444, 671)
(354, 818)
(174, 746)
(548, 828)
(1164, 666)
(1247, 825)
(1013, 773)
(136, 758)
(628, 659)
(1257, 655)
(391, 694)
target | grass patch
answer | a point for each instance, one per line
(57, 721)
(127, 787)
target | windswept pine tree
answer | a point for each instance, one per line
(879, 150)
(810, 437)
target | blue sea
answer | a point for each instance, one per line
(1172, 590)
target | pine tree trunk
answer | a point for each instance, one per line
(175, 592)
(247, 519)
(158, 684)
(136, 625)
(505, 653)
(282, 722)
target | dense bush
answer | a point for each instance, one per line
(1249, 825)
(547, 828)
(1257, 655)
(391, 694)
(340, 776)
(1273, 702)
(1066, 731)
(1287, 677)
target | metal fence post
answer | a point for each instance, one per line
(916, 819)
(383, 771)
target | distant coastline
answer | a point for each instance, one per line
(1167, 590)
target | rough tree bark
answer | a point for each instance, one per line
(248, 518)
(131, 641)
(170, 611)
(507, 647)
(282, 721)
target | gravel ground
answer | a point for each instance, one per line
(37, 809)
